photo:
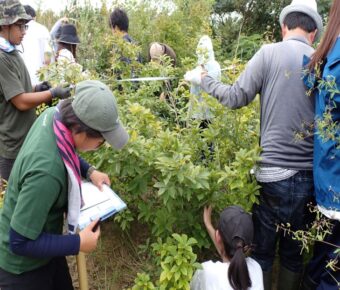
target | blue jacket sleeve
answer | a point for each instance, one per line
(84, 167)
(46, 245)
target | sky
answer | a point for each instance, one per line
(57, 5)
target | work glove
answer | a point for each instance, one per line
(60, 92)
(194, 76)
(44, 86)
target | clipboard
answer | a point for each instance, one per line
(98, 204)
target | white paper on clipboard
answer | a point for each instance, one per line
(98, 204)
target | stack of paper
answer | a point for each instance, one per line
(98, 204)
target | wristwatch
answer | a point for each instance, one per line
(89, 172)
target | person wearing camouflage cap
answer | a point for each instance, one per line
(18, 99)
(12, 11)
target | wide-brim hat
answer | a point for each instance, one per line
(308, 7)
(234, 222)
(95, 105)
(12, 11)
(68, 34)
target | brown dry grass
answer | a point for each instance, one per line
(115, 263)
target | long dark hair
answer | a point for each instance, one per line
(71, 47)
(329, 37)
(238, 273)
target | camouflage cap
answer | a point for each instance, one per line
(11, 11)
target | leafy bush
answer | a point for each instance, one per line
(2, 196)
(168, 166)
(143, 282)
(3, 185)
(171, 167)
(177, 262)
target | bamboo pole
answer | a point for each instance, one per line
(82, 273)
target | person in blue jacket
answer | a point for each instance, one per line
(323, 79)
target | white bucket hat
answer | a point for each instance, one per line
(308, 7)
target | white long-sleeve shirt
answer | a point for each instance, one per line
(35, 44)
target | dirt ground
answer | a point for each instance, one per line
(115, 263)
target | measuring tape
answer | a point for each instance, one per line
(152, 79)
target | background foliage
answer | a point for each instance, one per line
(249, 19)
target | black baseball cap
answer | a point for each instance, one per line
(235, 222)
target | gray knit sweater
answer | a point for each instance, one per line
(275, 73)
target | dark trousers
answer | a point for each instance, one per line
(6, 166)
(53, 276)
(282, 202)
(323, 253)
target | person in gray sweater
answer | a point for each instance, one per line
(285, 171)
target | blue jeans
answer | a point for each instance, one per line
(282, 202)
(316, 269)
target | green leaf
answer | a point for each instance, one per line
(184, 271)
(163, 276)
